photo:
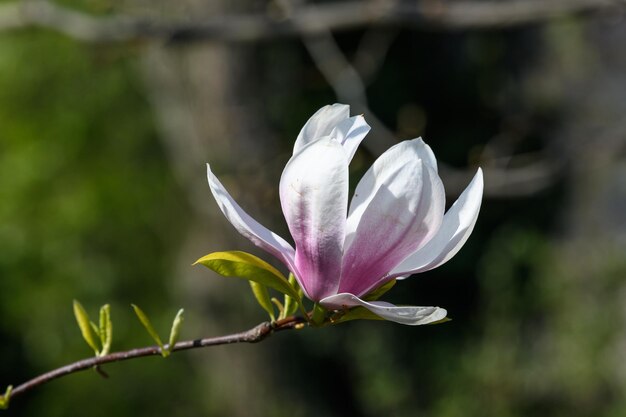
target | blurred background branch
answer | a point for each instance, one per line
(315, 24)
(305, 20)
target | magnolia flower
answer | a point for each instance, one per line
(394, 227)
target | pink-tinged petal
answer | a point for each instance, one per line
(314, 198)
(366, 187)
(321, 124)
(457, 225)
(398, 206)
(350, 133)
(409, 315)
(250, 228)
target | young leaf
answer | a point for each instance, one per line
(380, 291)
(319, 314)
(263, 298)
(85, 326)
(291, 305)
(175, 331)
(151, 331)
(105, 329)
(6, 398)
(247, 266)
(95, 328)
(279, 306)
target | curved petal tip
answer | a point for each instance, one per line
(458, 224)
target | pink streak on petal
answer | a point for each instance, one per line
(314, 197)
(404, 210)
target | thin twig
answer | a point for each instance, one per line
(253, 335)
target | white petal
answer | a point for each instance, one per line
(250, 228)
(457, 225)
(403, 210)
(350, 133)
(321, 124)
(400, 153)
(426, 154)
(314, 198)
(410, 315)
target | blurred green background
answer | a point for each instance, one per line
(103, 199)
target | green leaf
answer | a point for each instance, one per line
(263, 298)
(106, 329)
(357, 313)
(95, 328)
(291, 305)
(6, 398)
(319, 315)
(380, 291)
(279, 306)
(244, 265)
(143, 318)
(175, 331)
(85, 326)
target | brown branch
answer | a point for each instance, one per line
(253, 335)
(306, 20)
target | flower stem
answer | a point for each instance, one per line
(253, 335)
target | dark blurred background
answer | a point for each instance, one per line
(109, 110)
